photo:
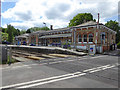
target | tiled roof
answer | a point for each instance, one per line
(87, 23)
(23, 35)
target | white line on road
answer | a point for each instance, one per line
(96, 68)
(35, 81)
(58, 78)
(54, 80)
(103, 68)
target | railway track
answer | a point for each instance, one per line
(35, 55)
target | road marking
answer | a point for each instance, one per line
(95, 68)
(106, 67)
(58, 78)
(35, 81)
(34, 64)
(41, 83)
(99, 56)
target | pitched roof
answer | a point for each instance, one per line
(23, 35)
(87, 23)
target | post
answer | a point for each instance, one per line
(74, 39)
(107, 41)
(10, 56)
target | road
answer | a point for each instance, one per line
(99, 71)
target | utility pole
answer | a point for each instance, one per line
(45, 29)
(97, 31)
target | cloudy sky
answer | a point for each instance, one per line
(24, 14)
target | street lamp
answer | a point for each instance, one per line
(45, 29)
(44, 23)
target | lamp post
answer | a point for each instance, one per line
(45, 29)
(44, 23)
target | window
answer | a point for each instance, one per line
(103, 36)
(85, 38)
(90, 37)
(80, 38)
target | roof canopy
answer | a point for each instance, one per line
(56, 36)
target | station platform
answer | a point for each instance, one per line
(46, 49)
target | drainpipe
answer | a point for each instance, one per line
(97, 31)
(75, 38)
(107, 41)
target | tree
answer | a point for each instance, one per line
(114, 26)
(81, 18)
(4, 36)
(10, 33)
(28, 31)
(33, 29)
(22, 32)
(16, 32)
(4, 30)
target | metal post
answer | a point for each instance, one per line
(107, 41)
(75, 38)
(10, 56)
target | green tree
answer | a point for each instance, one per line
(114, 25)
(16, 32)
(33, 29)
(28, 31)
(10, 33)
(4, 36)
(22, 32)
(81, 18)
(4, 30)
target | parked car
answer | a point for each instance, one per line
(5, 42)
(32, 45)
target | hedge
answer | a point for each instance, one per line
(118, 45)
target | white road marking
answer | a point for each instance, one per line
(95, 68)
(35, 81)
(34, 64)
(59, 79)
(99, 56)
(89, 69)
(99, 69)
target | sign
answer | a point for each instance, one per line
(92, 50)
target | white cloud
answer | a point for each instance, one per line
(9, 0)
(57, 12)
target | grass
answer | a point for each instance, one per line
(8, 61)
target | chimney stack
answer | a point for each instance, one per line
(51, 27)
(98, 21)
(98, 18)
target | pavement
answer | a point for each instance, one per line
(99, 71)
(113, 53)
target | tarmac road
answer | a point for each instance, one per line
(100, 71)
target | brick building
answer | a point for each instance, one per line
(79, 37)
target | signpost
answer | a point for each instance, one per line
(92, 50)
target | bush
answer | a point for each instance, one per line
(118, 45)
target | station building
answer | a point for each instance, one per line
(22, 39)
(78, 37)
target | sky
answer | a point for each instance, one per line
(24, 14)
